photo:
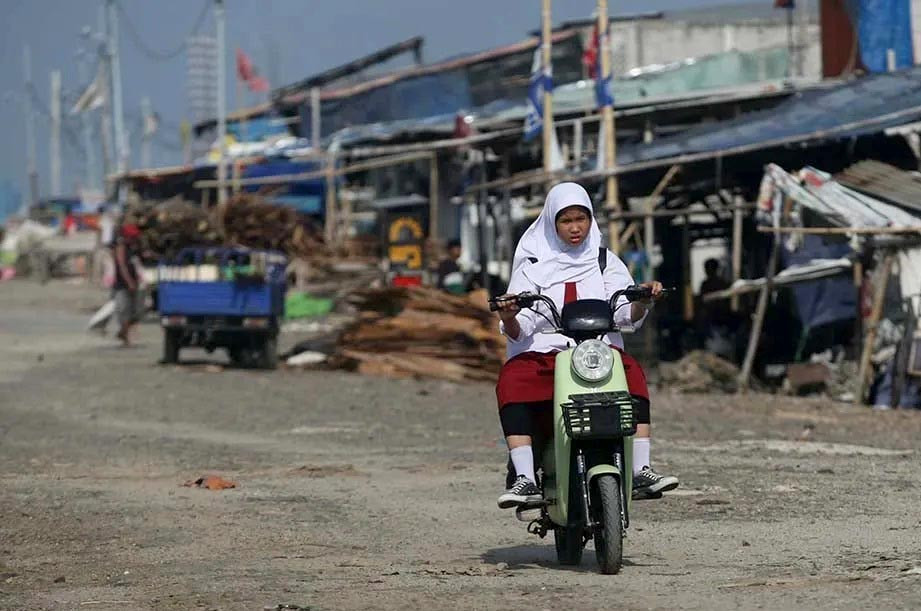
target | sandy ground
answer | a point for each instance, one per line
(362, 493)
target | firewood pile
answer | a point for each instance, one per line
(171, 225)
(253, 222)
(404, 332)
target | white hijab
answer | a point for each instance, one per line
(558, 262)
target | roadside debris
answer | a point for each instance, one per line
(699, 372)
(404, 332)
(211, 482)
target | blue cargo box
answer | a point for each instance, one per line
(244, 296)
(221, 298)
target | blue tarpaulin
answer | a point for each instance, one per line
(820, 302)
(257, 129)
(884, 25)
(306, 196)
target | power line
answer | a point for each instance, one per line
(156, 54)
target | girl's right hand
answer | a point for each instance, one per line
(508, 309)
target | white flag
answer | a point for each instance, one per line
(94, 96)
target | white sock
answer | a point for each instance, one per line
(523, 459)
(640, 453)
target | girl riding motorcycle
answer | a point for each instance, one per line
(561, 256)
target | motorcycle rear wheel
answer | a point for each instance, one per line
(609, 534)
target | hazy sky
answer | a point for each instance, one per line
(287, 39)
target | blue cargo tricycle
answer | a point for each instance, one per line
(231, 298)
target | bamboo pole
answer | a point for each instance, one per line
(842, 230)
(736, 253)
(879, 299)
(433, 198)
(675, 212)
(361, 166)
(755, 335)
(612, 199)
(687, 289)
(546, 55)
(330, 221)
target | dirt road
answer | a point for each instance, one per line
(361, 493)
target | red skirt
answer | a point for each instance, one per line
(528, 378)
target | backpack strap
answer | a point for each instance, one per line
(602, 258)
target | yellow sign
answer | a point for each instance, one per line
(406, 237)
(408, 255)
(405, 229)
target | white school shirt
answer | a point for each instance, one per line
(533, 337)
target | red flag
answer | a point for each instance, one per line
(245, 70)
(247, 73)
(784, 3)
(590, 55)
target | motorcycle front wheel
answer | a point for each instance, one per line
(609, 532)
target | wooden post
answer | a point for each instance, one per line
(547, 128)
(736, 250)
(237, 171)
(612, 200)
(879, 299)
(433, 200)
(755, 335)
(649, 230)
(688, 290)
(330, 227)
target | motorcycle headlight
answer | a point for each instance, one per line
(592, 360)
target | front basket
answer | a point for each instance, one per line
(603, 415)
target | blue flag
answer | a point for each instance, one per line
(604, 94)
(541, 81)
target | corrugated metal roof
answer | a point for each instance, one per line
(863, 106)
(884, 182)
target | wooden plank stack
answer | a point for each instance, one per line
(404, 332)
(252, 221)
(171, 225)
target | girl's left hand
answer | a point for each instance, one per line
(656, 288)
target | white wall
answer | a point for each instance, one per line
(641, 43)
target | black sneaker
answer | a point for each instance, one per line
(524, 491)
(647, 484)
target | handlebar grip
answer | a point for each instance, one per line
(493, 306)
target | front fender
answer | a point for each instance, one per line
(601, 470)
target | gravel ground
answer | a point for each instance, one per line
(363, 493)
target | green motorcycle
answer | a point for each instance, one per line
(585, 470)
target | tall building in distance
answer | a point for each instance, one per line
(201, 86)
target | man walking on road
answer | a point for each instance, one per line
(129, 302)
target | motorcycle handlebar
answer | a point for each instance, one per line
(526, 300)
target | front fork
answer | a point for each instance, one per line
(582, 473)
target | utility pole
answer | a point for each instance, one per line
(54, 150)
(546, 48)
(89, 157)
(105, 118)
(146, 131)
(612, 200)
(118, 117)
(30, 124)
(221, 100)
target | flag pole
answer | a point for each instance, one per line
(612, 201)
(547, 128)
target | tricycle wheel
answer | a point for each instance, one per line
(171, 345)
(268, 355)
(568, 544)
(609, 532)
